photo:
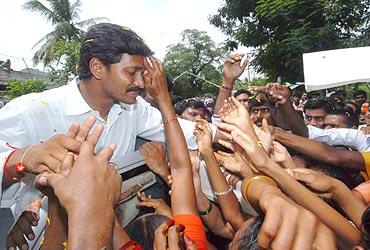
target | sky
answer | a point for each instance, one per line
(158, 22)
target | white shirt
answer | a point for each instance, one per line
(36, 117)
(340, 136)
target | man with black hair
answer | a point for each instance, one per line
(260, 109)
(315, 111)
(190, 109)
(115, 65)
(243, 96)
(340, 116)
(360, 97)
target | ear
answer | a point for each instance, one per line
(97, 68)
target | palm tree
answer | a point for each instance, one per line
(64, 16)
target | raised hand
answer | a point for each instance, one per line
(314, 179)
(232, 68)
(233, 112)
(203, 134)
(155, 81)
(159, 206)
(154, 154)
(279, 153)
(234, 163)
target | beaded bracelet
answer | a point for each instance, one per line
(254, 178)
(207, 211)
(20, 168)
(225, 88)
(224, 192)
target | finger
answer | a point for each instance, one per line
(226, 126)
(160, 239)
(73, 130)
(223, 153)
(224, 135)
(305, 233)
(174, 236)
(190, 244)
(286, 233)
(66, 164)
(265, 127)
(69, 144)
(25, 227)
(147, 204)
(220, 158)
(93, 138)
(53, 164)
(268, 229)
(18, 237)
(32, 217)
(301, 175)
(107, 152)
(47, 179)
(10, 244)
(85, 128)
(226, 144)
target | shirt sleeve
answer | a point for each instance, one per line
(340, 137)
(14, 132)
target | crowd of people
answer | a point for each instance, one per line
(268, 167)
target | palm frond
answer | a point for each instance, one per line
(91, 21)
(36, 6)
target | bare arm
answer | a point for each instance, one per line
(321, 151)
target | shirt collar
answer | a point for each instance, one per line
(76, 104)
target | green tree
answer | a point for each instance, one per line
(66, 55)
(194, 64)
(17, 88)
(64, 16)
(282, 30)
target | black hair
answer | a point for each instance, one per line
(142, 229)
(188, 103)
(260, 100)
(317, 103)
(346, 112)
(358, 108)
(108, 42)
(365, 229)
(242, 91)
(249, 239)
(359, 92)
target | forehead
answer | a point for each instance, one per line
(132, 61)
(242, 96)
(315, 112)
(193, 110)
(260, 107)
(334, 119)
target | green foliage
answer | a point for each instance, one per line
(65, 18)
(257, 81)
(195, 58)
(67, 55)
(17, 88)
(282, 30)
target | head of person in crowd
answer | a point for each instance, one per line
(315, 111)
(360, 97)
(354, 106)
(246, 236)
(299, 94)
(364, 242)
(243, 96)
(339, 96)
(190, 109)
(260, 108)
(209, 103)
(112, 59)
(340, 116)
(142, 229)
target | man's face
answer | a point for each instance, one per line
(334, 121)
(124, 80)
(258, 113)
(193, 114)
(360, 99)
(243, 98)
(315, 117)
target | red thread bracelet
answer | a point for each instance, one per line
(171, 119)
(6, 170)
(136, 245)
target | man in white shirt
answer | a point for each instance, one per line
(111, 72)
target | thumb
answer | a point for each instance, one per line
(48, 179)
